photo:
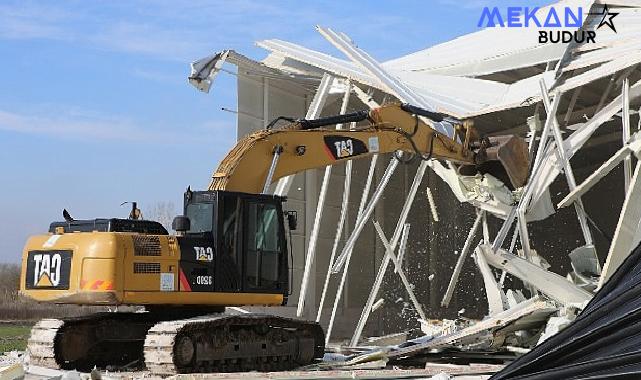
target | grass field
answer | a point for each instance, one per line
(13, 337)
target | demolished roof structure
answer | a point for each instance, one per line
(558, 95)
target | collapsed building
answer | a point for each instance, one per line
(386, 248)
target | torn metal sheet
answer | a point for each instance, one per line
(468, 55)
(610, 45)
(554, 286)
(488, 193)
(536, 309)
(204, 70)
(391, 84)
(456, 96)
(603, 342)
(387, 340)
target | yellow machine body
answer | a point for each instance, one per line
(116, 268)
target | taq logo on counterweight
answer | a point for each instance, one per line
(48, 269)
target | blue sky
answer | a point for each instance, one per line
(95, 108)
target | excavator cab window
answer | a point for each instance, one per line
(201, 217)
(263, 242)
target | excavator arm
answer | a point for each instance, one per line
(304, 145)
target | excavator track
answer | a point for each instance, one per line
(228, 343)
(104, 340)
(165, 346)
(41, 343)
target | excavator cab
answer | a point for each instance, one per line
(232, 242)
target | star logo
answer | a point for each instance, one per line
(606, 18)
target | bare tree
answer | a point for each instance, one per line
(161, 212)
(9, 281)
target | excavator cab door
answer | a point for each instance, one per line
(263, 245)
(236, 243)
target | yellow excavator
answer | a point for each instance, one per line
(230, 249)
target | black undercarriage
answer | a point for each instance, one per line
(193, 342)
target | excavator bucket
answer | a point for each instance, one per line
(508, 156)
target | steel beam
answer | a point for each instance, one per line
(627, 162)
(432, 203)
(348, 259)
(461, 260)
(573, 99)
(418, 178)
(313, 238)
(313, 112)
(367, 213)
(605, 94)
(403, 245)
(344, 203)
(551, 166)
(520, 210)
(493, 291)
(627, 228)
(389, 82)
(366, 99)
(399, 269)
(567, 167)
(486, 229)
(633, 147)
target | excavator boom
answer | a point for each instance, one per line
(304, 144)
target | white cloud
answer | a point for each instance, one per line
(76, 124)
(163, 29)
(149, 39)
(183, 31)
(68, 125)
(159, 76)
(28, 21)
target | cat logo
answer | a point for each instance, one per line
(204, 254)
(48, 269)
(341, 147)
(344, 148)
